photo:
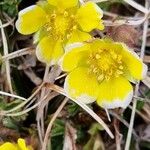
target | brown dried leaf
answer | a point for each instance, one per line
(124, 33)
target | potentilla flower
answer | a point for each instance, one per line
(101, 71)
(58, 22)
(21, 145)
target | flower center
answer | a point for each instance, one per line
(60, 25)
(105, 64)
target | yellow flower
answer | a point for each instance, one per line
(13, 146)
(56, 23)
(100, 70)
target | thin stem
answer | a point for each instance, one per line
(51, 123)
(12, 95)
(7, 24)
(137, 6)
(5, 46)
(108, 116)
(132, 22)
(61, 76)
(18, 53)
(40, 116)
(144, 38)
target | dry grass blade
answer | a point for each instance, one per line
(47, 134)
(12, 95)
(18, 53)
(5, 46)
(40, 116)
(137, 6)
(7, 24)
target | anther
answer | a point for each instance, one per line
(95, 70)
(97, 56)
(65, 14)
(72, 16)
(91, 55)
(49, 28)
(114, 56)
(53, 16)
(121, 67)
(119, 72)
(68, 36)
(107, 78)
(119, 57)
(74, 27)
(100, 77)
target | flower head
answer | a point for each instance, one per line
(13, 146)
(58, 22)
(101, 72)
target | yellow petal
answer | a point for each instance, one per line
(30, 19)
(134, 65)
(63, 3)
(115, 93)
(100, 25)
(89, 17)
(79, 36)
(49, 51)
(75, 55)
(8, 146)
(22, 144)
(39, 35)
(81, 86)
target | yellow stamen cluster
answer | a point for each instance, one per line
(60, 25)
(105, 64)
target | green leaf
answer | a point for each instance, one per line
(10, 123)
(10, 7)
(58, 128)
(57, 135)
(140, 105)
(73, 109)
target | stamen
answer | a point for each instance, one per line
(74, 27)
(60, 25)
(95, 70)
(98, 56)
(68, 36)
(119, 72)
(65, 14)
(53, 16)
(49, 28)
(121, 67)
(105, 65)
(100, 77)
(72, 16)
